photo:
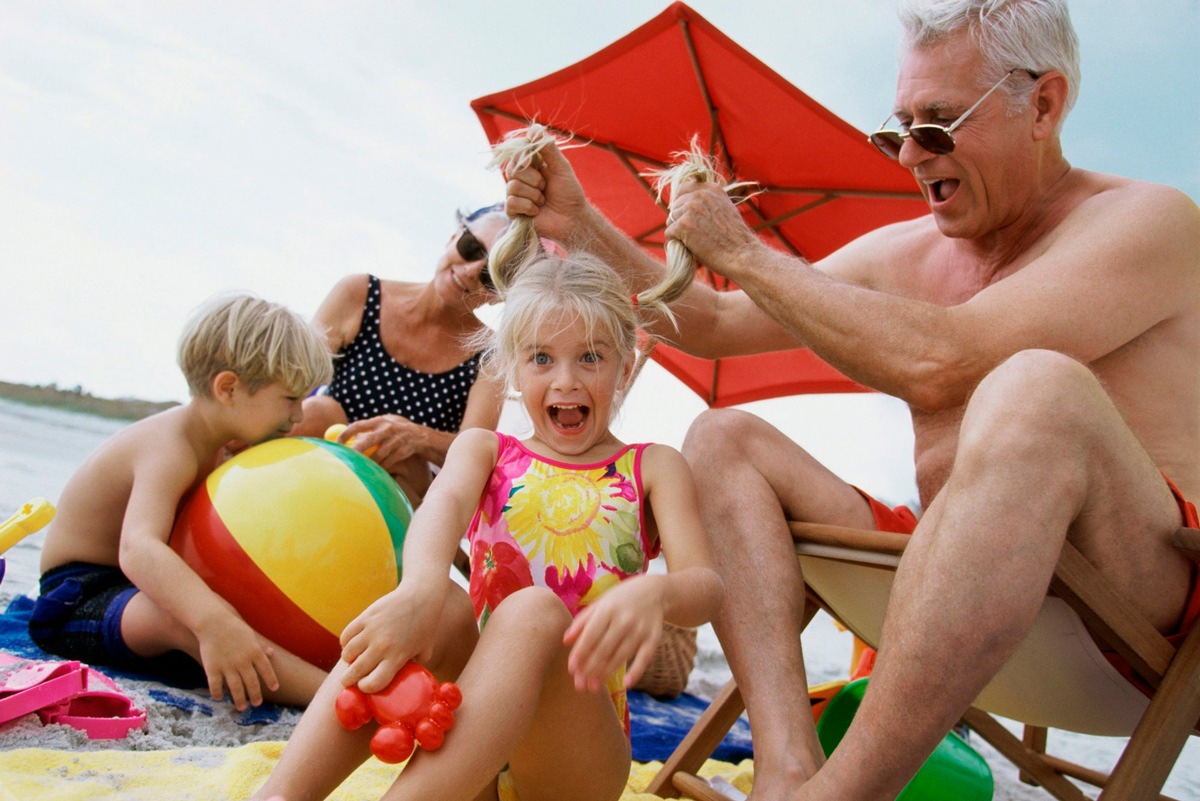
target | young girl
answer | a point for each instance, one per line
(561, 526)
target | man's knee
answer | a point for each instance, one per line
(1037, 385)
(714, 431)
(729, 436)
(1034, 369)
(1035, 400)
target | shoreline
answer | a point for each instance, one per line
(79, 400)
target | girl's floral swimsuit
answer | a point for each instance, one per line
(576, 529)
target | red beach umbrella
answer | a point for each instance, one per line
(631, 105)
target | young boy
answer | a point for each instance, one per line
(113, 592)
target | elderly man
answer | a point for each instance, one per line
(1042, 323)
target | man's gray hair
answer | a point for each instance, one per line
(1034, 35)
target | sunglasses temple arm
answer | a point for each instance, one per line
(979, 102)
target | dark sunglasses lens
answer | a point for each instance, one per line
(485, 278)
(469, 247)
(888, 143)
(933, 138)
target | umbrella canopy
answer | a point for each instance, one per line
(632, 105)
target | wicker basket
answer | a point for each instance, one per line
(667, 675)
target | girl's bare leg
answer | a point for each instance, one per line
(520, 707)
(320, 753)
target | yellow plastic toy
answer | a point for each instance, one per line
(334, 431)
(30, 518)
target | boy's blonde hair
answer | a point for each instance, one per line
(579, 286)
(262, 342)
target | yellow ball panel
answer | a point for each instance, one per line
(310, 525)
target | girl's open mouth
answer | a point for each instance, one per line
(570, 416)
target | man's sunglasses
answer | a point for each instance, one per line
(471, 250)
(936, 139)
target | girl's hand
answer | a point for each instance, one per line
(387, 634)
(621, 627)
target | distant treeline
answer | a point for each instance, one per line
(77, 400)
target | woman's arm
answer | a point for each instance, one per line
(398, 439)
(339, 316)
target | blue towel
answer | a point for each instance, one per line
(657, 725)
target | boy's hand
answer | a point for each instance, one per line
(390, 632)
(236, 658)
(621, 627)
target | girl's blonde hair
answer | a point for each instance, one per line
(519, 150)
(577, 287)
(262, 342)
(693, 166)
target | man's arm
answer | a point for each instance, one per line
(1120, 262)
(712, 324)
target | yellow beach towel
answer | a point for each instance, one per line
(219, 774)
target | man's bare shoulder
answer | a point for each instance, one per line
(1135, 229)
(869, 260)
(1097, 195)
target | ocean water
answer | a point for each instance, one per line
(40, 448)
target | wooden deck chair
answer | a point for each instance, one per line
(1058, 678)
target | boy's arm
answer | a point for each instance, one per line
(231, 652)
(400, 625)
(625, 624)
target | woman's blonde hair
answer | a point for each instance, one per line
(577, 287)
(262, 342)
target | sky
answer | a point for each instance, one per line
(154, 152)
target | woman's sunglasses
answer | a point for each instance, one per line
(936, 139)
(471, 250)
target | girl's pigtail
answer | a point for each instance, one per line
(519, 150)
(694, 166)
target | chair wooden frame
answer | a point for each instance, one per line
(1169, 718)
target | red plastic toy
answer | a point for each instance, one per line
(414, 707)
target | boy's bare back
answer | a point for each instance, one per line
(160, 454)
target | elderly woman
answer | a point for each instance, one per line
(404, 379)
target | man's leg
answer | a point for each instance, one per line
(1043, 455)
(751, 480)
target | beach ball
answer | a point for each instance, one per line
(300, 535)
